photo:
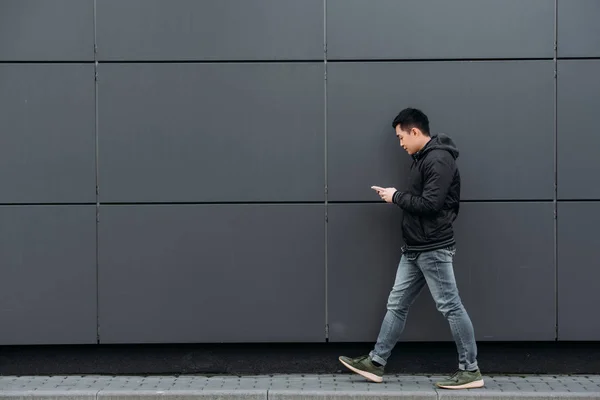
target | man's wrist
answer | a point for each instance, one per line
(396, 197)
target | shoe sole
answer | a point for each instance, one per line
(470, 385)
(368, 375)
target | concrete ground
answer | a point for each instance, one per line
(291, 387)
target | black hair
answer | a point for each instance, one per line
(412, 118)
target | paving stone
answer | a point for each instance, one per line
(55, 394)
(354, 395)
(291, 387)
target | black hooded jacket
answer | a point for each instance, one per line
(432, 200)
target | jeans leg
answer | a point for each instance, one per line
(438, 270)
(407, 286)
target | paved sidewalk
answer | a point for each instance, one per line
(290, 387)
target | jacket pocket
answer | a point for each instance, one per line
(438, 227)
(423, 224)
(413, 230)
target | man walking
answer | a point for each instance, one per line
(430, 206)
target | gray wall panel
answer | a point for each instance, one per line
(364, 243)
(211, 132)
(578, 139)
(489, 130)
(212, 273)
(47, 124)
(578, 28)
(491, 261)
(210, 30)
(46, 30)
(48, 285)
(223, 101)
(423, 29)
(578, 272)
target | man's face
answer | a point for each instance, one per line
(409, 140)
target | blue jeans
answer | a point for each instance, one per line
(415, 270)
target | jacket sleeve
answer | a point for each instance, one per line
(438, 174)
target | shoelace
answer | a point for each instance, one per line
(455, 375)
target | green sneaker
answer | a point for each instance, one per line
(462, 380)
(364, 366)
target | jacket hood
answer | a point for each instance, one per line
(442, 142)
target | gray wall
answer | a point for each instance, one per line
(170, 186)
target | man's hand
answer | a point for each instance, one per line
(386, 194)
